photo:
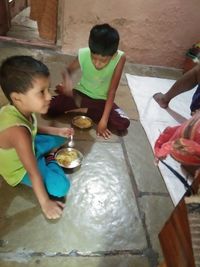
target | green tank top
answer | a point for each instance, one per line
(11, 167)
(95, 83)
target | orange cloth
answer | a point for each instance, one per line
(45, 13)
(181, 142)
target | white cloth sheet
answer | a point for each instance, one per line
(154, 120)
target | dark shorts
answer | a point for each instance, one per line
(195, 100)
(118, 120)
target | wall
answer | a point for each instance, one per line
(153, 32)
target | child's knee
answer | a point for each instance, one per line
(120, 125)
(124, 124)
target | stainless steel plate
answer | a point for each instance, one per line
(69, 157)
(82, 122)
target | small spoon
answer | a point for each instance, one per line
(71, 142)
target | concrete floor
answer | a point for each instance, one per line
(118, 201)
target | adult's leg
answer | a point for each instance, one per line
(188, 81)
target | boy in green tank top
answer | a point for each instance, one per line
(101, 65)
(24, 153)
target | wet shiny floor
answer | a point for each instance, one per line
(117, 204)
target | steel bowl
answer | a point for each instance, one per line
(82, 122)
(66, 154)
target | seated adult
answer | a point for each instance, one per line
(182, 143)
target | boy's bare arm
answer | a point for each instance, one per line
(51, 209)
(67, 85)
(73, 66)
(64, 132)
(102, 126)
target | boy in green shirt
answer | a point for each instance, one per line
(101, 65)
(24, 154)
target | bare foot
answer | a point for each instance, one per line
(160, 99)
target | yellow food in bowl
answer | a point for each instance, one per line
(82, 122)
(65, 158)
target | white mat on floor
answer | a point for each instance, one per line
(155, 119)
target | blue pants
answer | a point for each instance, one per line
(195, 100)
(54, 178)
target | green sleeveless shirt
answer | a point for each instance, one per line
(95, 83)
(11, 167)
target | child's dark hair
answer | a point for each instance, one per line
(18, 72)
(103, 40)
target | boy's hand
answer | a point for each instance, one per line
(65, 88)
(60, 89)
(53, 209)
(102, 130)
(65, 132)
(67, 81)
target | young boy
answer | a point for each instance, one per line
(24, 153)
(101, 64)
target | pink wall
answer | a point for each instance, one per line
(153, 32)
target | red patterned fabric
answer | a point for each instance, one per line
(181, 142)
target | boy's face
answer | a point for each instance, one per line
(36, 99)
(99, 61)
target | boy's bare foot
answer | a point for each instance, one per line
(160, 99)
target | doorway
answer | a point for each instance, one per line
(29, 21)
